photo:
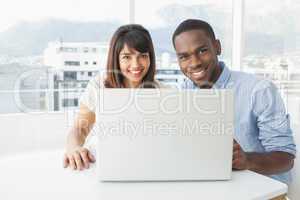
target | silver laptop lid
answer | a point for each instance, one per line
(166, 134)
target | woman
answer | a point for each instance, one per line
(131, 64)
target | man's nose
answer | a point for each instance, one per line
(195, 61)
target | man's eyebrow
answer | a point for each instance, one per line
(202, 46)
(181, 53)
(196, 49)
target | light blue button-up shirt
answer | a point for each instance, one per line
(261, 121)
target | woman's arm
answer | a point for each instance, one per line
(76, 156)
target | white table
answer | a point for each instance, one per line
(40, 176)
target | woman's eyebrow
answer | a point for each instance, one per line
(133, 53)
(126, 53)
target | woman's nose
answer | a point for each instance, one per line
(135, 64)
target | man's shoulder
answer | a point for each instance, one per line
(244, 76)
(251, 81)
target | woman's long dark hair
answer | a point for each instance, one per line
(134, 36)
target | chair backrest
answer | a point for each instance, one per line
(294, 187)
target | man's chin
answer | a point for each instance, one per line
(203, 83)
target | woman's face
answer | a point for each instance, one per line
(134, 66)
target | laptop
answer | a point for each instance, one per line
(164, 134)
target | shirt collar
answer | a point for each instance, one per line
(224, 77)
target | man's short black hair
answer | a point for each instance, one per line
(193, 24)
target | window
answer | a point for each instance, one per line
(44, 22)
(90, 73)
(272, 46)
(72, 63)
(161, 20)
(68, 49)
(83, 85)
(70, 102)
(85, 49)
(70, 76)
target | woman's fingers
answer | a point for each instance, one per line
(85, 158)
(78, 160)
(72, 162)
(65, 161)
(91, 157)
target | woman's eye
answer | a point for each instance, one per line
(145, 55)
(126, 57)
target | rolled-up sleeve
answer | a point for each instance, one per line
(273, 122)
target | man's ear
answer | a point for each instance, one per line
(218, 47)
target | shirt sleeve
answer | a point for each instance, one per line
(273, 122)
(89, 96)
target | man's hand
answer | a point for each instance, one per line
(78, 158)
(239, 158)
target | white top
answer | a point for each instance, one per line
(41, 176)
(90, 96)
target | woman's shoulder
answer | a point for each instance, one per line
(97, 81)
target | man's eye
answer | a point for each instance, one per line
(201, 51)
(182, 57)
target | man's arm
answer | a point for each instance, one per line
(264, 163)
(275, 134)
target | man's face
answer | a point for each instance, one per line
(197, 57)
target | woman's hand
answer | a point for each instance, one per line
(78, 158)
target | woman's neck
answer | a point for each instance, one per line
(129, 84)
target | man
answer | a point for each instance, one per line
(263, 138)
